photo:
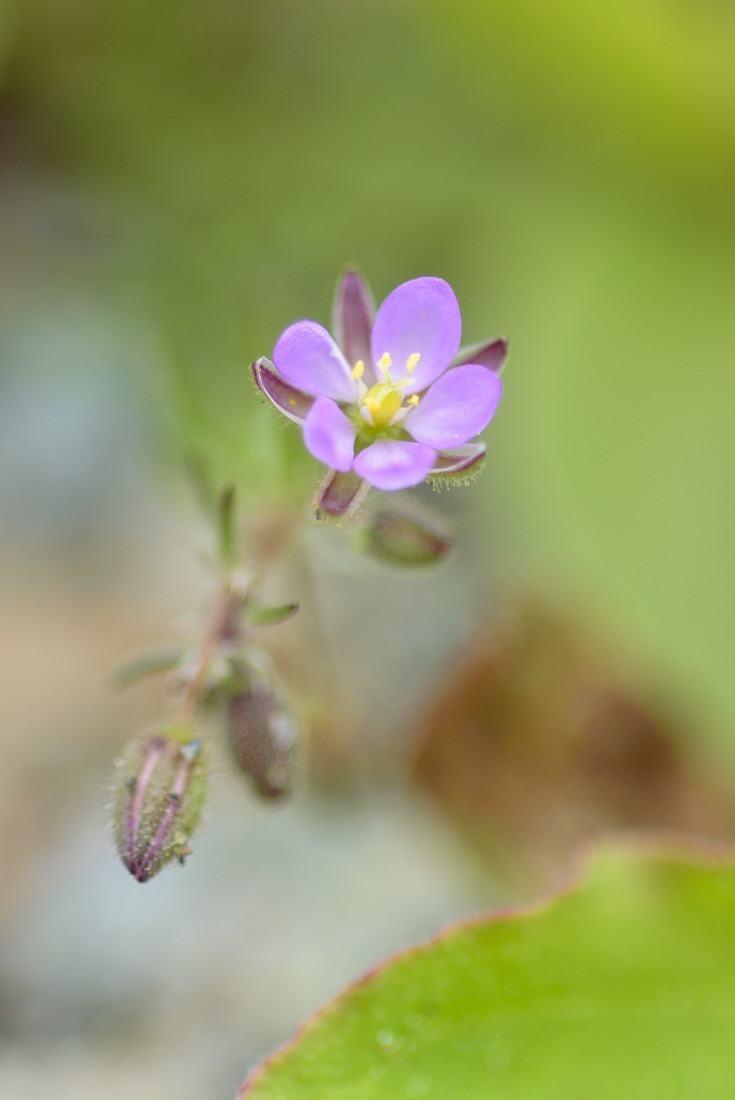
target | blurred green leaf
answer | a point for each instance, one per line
(148, 664)
(622, 987)
(261, 615)
(227, 533)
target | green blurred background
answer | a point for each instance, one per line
(181, 180)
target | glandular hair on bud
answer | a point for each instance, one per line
(262, 733)
(159, 796)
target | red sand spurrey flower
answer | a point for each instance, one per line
(390, 399)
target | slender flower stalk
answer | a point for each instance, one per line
(221, 628)
(161, 781)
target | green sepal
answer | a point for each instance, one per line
(339, 497)
(460, 466)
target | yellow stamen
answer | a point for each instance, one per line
(358, 370)
(384, 364)
(413, 361)
(413, 400)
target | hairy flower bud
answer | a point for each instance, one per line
(158, 800)
(262, 733)
(405, 537)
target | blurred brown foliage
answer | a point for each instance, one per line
(538, 745)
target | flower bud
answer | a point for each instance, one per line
(158, 801)
(262, 733)
(403, 537)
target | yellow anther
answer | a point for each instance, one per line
(413, 400)
(358, 370)
(413, 361)
(384, 364)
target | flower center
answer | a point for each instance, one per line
(382, 405)
(382, 402)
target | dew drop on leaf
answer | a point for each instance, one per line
(419, 1085)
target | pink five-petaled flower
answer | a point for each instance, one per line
(392, 399)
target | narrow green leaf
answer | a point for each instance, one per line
(227, 526)
(148, 664)
(260, 615)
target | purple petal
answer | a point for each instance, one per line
(456, 407)
(491, 355)
(422, 317)
(291, 402)
(339, 496)
(308, 358)
(461, 460)
(352, 318)
(393, 464)
(329, 435)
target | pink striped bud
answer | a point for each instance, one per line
(158, 800)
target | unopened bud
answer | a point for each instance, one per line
(408, 539)
(159, 798)
(262, 733)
